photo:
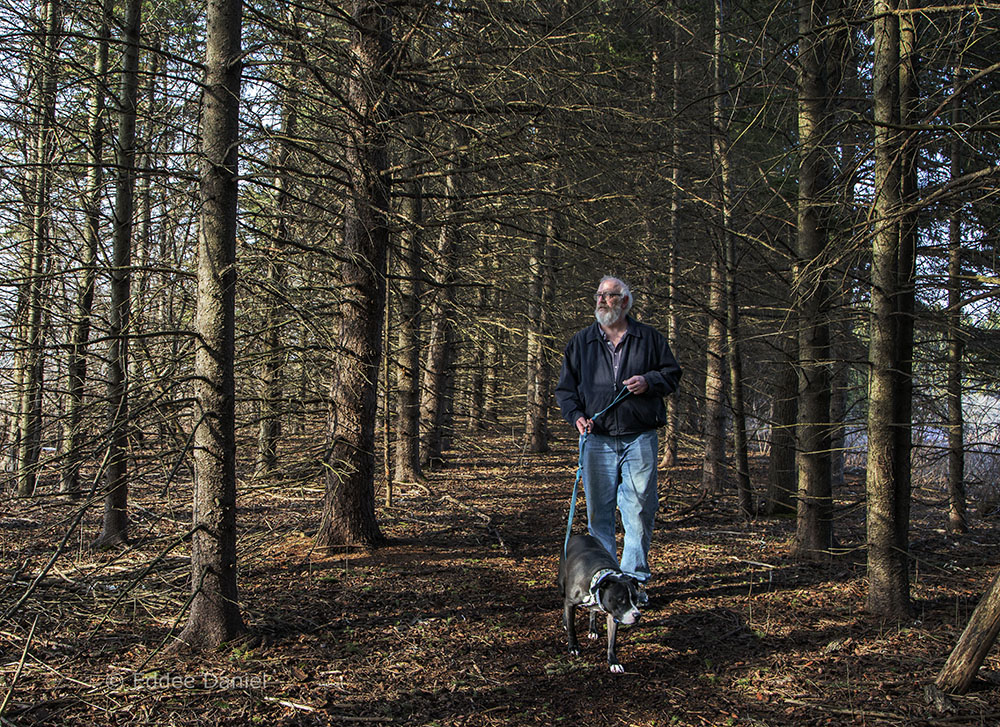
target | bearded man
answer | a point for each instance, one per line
(620, 447)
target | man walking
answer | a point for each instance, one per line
(620, 451)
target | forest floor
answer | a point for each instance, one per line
(456, 621)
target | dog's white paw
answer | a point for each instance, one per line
(616, 668)
(593, 635)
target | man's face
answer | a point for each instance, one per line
(609, 301)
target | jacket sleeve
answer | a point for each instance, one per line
(568, 389)
(666, 377)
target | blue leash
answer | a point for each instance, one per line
(579, 467)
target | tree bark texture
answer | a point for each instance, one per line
(540, 298)
(435, 398)
(957, 522)
(734, 354)
(713, 473)
(80, 336)
(410, 272)
(672, 430)
(814, 523)
(973, 645)
(31, 367)
(888, 579)
(348, 517)
(214, 617)
(723, 163)
(115, 526)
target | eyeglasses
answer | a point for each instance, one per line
(609, 296)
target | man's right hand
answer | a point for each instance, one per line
(583, 425)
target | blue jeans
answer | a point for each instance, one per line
(621, 472)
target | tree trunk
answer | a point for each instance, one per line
(540, 296)
(434, 403)
(272, 377)
(888, 580)
(115, 526)
(493, 360)
(733, 353)
(672, 431)
(484, 306)
(779, 496)
(814, 523)
(349, 506)
(80, 335)
(956, 345)
(410, 272)
(974, 644)
(32, 360)
(714, 463)
(721, 152)
(215, 617)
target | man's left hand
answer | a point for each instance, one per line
(636, 384)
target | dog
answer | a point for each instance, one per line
(589, 576)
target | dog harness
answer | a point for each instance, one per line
(593, 600)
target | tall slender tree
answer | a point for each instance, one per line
(435, 398)
(956, 345)
(409, 263)
(115, 527)
(814, 531)
(672, 431)
(31, 367)
(540, 296)
(348, 516)
(714, 462)
(214, 615)
(888, 578)
(272, 377)
(77, 365)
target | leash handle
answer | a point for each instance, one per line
(579, 467)
(621, 395)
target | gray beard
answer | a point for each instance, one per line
(608, 317)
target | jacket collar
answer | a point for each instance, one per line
(594, 331)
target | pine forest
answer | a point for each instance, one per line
(285, 291)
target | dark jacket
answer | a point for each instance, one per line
(586, 384)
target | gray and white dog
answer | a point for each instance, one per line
(589, 577)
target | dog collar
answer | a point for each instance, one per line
(592, 600)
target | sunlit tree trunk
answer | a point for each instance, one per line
(349, 505)
(671, 432)
(541, 294)
(714, 464)
(32, 360)
(435, 394)
(722, 153)
(80, 336)
(956, 345)
(974, 645)
(888, 578)
(214, 615)
(115, 527)
(410, 272)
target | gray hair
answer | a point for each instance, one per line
(623, 287)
